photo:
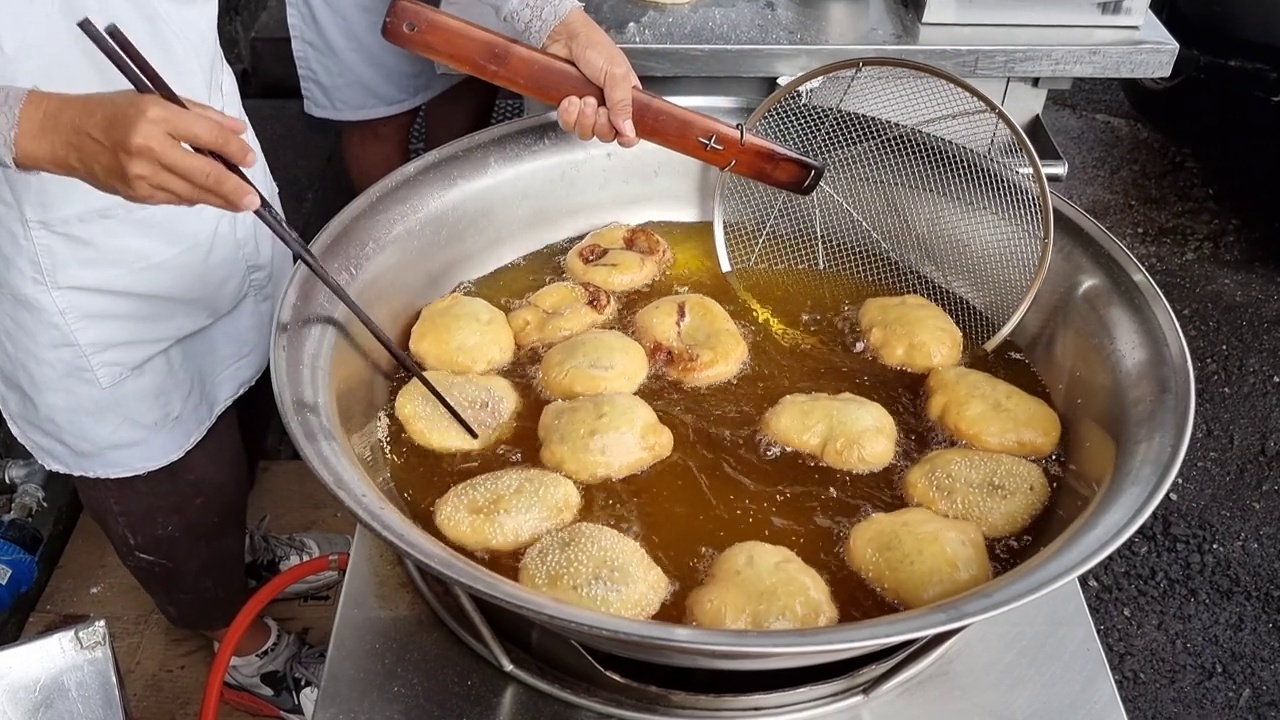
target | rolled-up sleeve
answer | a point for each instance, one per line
(534, 19)
(11, 99)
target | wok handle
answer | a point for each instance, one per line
(476, 51)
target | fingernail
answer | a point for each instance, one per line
(250, 202)
(251, 160)
(628, 128)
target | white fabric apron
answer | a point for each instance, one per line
(349, 73)
(125, 329)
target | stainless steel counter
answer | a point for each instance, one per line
(773, 38)
(70, 673)
(740, 48)
(391, 659)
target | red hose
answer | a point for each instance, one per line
(250, 613)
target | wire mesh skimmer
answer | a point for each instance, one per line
(931, 189)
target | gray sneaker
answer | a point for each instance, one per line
(266, 555)
(280, 681)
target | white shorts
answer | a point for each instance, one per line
(349, 73)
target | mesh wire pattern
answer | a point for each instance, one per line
(504, 110)
(931, 189)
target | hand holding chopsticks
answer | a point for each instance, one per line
(137, 147)
(122, 53)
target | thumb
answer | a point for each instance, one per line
(235, 125)
(617, 97)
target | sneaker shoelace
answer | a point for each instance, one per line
(265, 546)
(306, 666)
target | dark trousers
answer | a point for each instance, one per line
(180, 530)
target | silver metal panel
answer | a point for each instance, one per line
(67, 674)
(390, 658)
(1089, 13)
(730, 38)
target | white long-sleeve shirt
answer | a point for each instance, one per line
(125, 330)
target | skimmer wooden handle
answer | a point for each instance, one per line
(476, 51)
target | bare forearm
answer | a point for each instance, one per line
(129, 144)
(12, 100)
(533, 19)
(45, 136)
(35, 130)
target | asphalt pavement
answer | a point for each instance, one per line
(1188, 609)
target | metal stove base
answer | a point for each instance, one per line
(391, 658)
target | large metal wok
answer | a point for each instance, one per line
(1099, 331)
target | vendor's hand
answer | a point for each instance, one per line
(131, 145)
(584, 43)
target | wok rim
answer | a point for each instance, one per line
(1021, 585)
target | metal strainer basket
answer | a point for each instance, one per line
(931, 189)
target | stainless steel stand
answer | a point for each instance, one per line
(391, 658)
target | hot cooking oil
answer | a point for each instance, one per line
(723, 484)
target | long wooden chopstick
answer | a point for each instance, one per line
(126, 57)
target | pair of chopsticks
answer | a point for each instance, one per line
(143, 76)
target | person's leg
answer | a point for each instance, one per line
(181, 532)
(373, 149)
(459, 111)
(253, 411)
(349, 74)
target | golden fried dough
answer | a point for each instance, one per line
(598, 568)
(462, 334)
(506, 509)
(692, 338)
(488, 402)
(1001, 493)
(910, 333)
(844, 431)
(988, 413)
(558, 312)
(602, 437)
(758, 586)
(619, 258)
(914, 557)
(597, 362)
